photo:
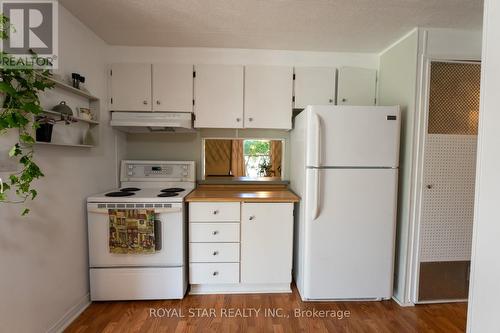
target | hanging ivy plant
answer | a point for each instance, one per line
(20, 89)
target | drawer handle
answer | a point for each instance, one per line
(215, 212)
(215, 273)
(215, 232)
(251, 218)
(215, 253)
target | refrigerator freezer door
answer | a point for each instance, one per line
(349, 246)
(353, 136)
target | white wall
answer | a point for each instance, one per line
(188, 146)
(397, 86)
(485, 270)
(43, 257)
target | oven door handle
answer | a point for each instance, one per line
(157, 210)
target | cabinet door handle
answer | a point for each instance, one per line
(215, 232)
(430, 186)
(158, 102)
(215, 273)
(251, 218)
(330, 100)
(215, 212)
(250, 119)
(145, 102)
(344, 99)
(215, 253)
(238, 120)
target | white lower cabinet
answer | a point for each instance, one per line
(266, 242)
(250, 253)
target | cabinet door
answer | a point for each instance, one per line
(131, 87)
(314, 86)
(266, 242)
(173, 87)
(268, 97)
(356, 86)
(218, 94)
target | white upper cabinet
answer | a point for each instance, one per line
(218, 95)
(314, 86)
(356, 86)
(266, 242)
(172, 87)
(268, 97)
(131, 87)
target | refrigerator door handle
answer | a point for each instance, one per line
(317, 121)
(317, 198)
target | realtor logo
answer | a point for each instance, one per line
(32, 34)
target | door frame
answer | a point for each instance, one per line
(421, 126)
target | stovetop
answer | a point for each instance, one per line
(153, 194)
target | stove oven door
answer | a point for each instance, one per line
(170, 252)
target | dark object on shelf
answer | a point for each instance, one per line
(63, 108)
(77, 79)
(44, 132)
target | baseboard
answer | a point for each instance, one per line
(439, 301)
(402, 304)
(205, 289)
(70, 315)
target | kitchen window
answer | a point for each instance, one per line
(243, 158)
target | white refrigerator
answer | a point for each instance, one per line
(344, 165)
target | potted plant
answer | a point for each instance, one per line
(265, 169)
(20, 88)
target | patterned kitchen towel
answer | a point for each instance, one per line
(131, 231)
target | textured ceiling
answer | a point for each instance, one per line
(321, 25)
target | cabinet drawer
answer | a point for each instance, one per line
(214, 252)
(214, 273)
(214, 232)
(214, 212)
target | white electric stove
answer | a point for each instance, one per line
(154, 185)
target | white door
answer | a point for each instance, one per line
(353, 136)
(314, 86)
(266, 242)
(173, 87)
(356, 86)
(131, 87)
(268, 97)
(218, 94)
(350, 242)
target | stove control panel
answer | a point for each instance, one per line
(158, 171)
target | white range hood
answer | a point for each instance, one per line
(151, 122)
